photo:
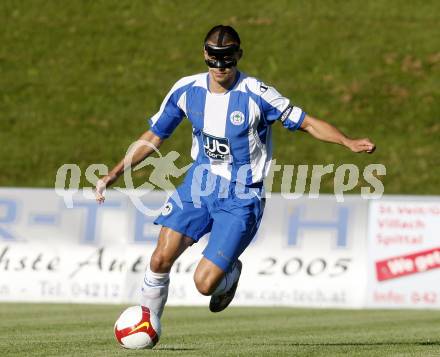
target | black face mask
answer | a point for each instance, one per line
(223, 55)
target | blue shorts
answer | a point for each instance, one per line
(229, 211)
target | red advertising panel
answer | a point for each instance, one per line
(404, 253)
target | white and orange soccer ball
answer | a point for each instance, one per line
(137, 327)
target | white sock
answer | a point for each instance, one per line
(155, 291)
(228, 280)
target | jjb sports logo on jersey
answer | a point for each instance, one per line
(216, 148)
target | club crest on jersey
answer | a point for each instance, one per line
(237, 118)
(216, 148)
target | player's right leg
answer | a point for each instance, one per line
(170, 246)
(186, 224)
(182, 225)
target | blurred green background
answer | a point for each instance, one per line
(79, 78)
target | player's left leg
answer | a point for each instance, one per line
(218, 272)
(210, 278)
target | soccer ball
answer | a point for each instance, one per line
(137, 327)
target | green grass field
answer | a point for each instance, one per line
(79, 78)
(86, 330)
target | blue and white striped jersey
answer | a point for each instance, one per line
(232, 130)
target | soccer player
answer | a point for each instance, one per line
(231, 116)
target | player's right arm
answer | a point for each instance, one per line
(163, 123)
(144, 148)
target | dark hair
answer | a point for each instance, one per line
(222, 34)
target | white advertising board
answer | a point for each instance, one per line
(404, 249)
(307, 252)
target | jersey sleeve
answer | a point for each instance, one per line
(171, 112)
(276, 107)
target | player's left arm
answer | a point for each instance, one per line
(324, 131)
